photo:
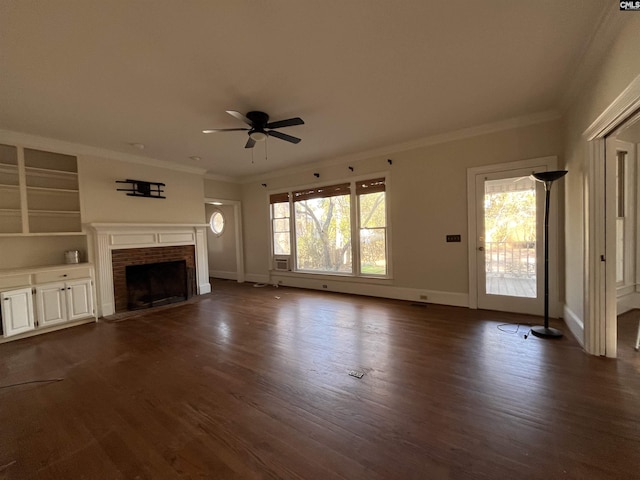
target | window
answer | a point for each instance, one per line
(216, 222)
(280, 225)
(323, 229)
(339, 228)
(373, 226)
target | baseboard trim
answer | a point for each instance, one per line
(628, 302)
(204, 288)
(224, 275)
(575, 325)
(384, 291)
(255, 278)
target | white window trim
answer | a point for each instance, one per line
(355, 227)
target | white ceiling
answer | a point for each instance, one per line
(363, 74)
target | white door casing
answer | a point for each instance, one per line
(475, 185)
(600, 325)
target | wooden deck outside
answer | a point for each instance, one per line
(253, 383)
(514, 287)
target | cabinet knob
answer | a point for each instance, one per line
(64, 275)
(62, 289)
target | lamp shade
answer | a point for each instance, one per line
(549, 176)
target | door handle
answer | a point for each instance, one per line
(481, 249)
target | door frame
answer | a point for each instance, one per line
(600, 322)
(237, 214)
(539, 164)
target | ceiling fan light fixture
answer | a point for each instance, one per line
(258, 136)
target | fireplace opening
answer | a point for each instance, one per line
(155, 284)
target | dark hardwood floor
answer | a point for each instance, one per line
(253, 383)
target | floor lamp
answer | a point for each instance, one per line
(547, 178)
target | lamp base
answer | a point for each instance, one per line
(546, 332)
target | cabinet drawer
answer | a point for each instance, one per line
(62, 275)
(11, 281)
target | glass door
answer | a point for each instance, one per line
(510, 219)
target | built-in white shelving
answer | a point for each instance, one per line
(39, 192)
(10, 195)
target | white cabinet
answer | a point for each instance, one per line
(17, 311)
(79, 299)
(50, 304)
(63, 302)
(42, 299)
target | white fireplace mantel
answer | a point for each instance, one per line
(107, 237)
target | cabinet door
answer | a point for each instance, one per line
(50, 304)
(79, 299)
(17, 311)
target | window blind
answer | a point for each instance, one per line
(322, 192)
(370, 186)
(279, 198)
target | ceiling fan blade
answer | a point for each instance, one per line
(240, 116)
(250, 143)
(214, 130)
(289, 122)
(284, 136)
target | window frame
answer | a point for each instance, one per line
(359, 227)
(355, 227)
(272, 219)
(224, 222)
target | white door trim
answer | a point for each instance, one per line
(237, 214)
(600, 326)
(550, 163)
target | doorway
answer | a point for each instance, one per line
(506, 217)
(600, 286)
(224, 239)
(621, 151)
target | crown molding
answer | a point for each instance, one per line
(220, 178)
(509, 124)
(594, 50)
(70, 148)
(617, 112)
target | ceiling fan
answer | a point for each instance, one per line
(261, 127)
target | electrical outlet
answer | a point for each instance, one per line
(454, 238)
(324, 286)
(423, 297)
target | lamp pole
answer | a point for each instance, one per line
(547, 178)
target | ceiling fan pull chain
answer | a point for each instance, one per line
(266, 149)
(252, 156)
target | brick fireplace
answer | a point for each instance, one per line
(114, 245)
(156, 256)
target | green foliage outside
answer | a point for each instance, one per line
(511, 217)
(323, 234)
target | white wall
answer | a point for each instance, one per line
(221, 190)
(619, 67)
(102, 203)
(19, 252)
(428, 200)
(222, 248)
